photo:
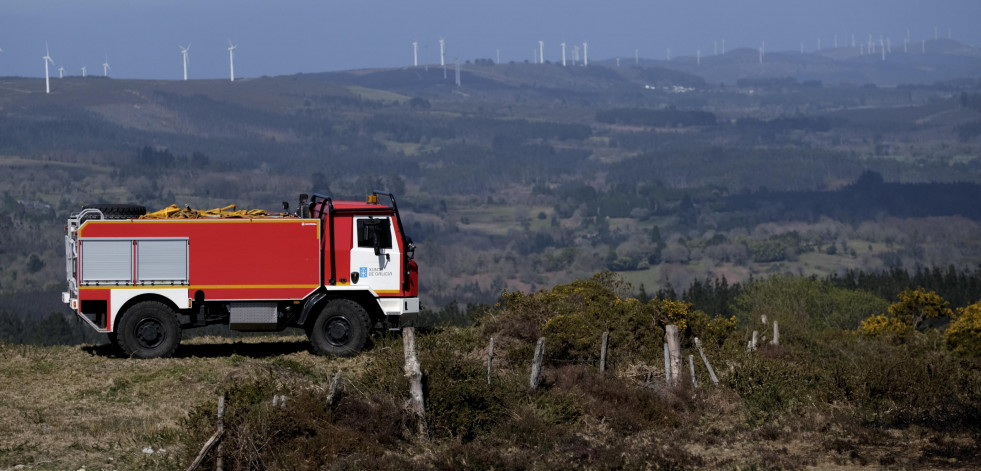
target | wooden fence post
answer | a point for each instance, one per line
(335, 389)
(606, 343)
(674, 348)
(536, 365)
(215, 439)
(776, 334)
(490, 360)
(708, 366)
(667, 364)
(219, 461)
(691, 366)
(413, 371)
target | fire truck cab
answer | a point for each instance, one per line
(337, 269)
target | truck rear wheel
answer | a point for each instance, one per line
(341, 329)
(148, 329)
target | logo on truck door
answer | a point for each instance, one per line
(365, 272)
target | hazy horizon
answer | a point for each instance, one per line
(141, 39)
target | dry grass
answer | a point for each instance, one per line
(75, 407)
(82, 407)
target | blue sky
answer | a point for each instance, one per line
(141, 37)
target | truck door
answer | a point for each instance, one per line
(375, 257)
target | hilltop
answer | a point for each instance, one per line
(824, 397)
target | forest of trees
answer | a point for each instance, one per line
(525, 176)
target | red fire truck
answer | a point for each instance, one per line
(337, 269)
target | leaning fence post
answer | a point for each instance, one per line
(490, 360)
(674, 348)
(708, 366)
(536, 365)
(215, 439)
(606, 343)
(413, 371)
(691, 366)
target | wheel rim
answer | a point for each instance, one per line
(337, 331)
(149, 333)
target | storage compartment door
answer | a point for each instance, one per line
(106, 262)
(161, 262)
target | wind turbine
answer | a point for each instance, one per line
(563, 53)
(442, 53)
(541, 52)
(698, 57)
(83, 72)
(723, 46)
(585, 54)
(61, 72)
(184, 53)
(762, 49)
(105, 67)
(231, 59)
(47, 60)
(415, 53)
(575, 54)
(636, 56)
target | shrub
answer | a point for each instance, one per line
(963, 336)
(910, 313)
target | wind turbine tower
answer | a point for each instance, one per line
(231, 60)
(47, 60)
(83, 72)
(762, 49)
(563, 53)
(105, 67)
(585, 54)
(442, 53)
(61, 71)
(636, 56)
(415, 53)
(184, 53)
(698, 57)
(541, 52)
(575, 54)
(723, 46)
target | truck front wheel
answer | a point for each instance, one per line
(341, 329)
(148, 329)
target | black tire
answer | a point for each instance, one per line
(118, 211)
(149, 329)
(341, 329)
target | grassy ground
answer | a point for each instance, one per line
(84, 407)
(850, 405)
